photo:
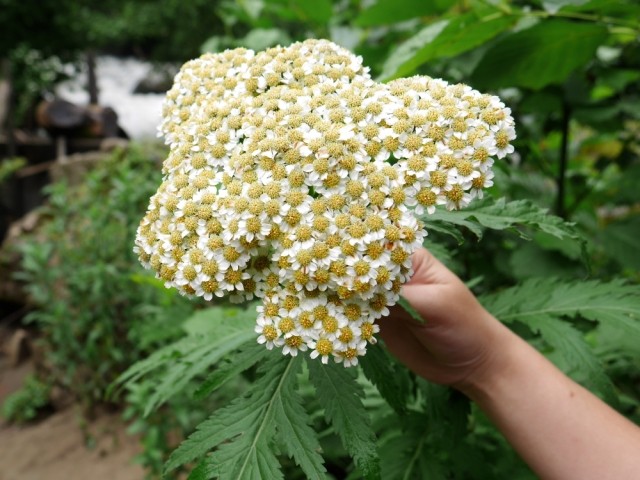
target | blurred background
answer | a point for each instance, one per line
(81, 89)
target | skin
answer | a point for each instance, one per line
(560, 429)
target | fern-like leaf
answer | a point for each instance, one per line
(241, 434)
(391, 382)
(241, 360)
(214, 333)
(501, 215)
(541, 304)
(299, 439)
(340, 394)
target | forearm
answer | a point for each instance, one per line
(560, 429)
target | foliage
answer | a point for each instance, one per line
(25, 404)
(10, 166)
(567, 70)
(552, 252)
(96, 309)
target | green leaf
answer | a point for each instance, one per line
(175, 365)
(620, 240)
(262, 38)
(409, 49)
(529, 260)
(597, 301)
(339, 393)
(575, 356)
(241, 434)
(444, 38)
(390, 381)
(554, 6)
(407, 456)
(447, 229)
(239, 361)
(501, 215)
(404, 303)
(385, 12)
(541, 303)
(544, 54)
(219, 320)
(320, 11)
(299, 439)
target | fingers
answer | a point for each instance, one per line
(428, 270)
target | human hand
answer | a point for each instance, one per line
(459, 338)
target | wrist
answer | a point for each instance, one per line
(501, 363)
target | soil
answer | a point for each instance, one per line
(63, 446)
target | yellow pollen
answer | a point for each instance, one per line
(286, 325)
(324, 346)
(346, 335)
(306, 320)
(366, 330)
(290, 302)
(426, 197)
(455, 194)
(270, 332)
(361, 267)
(233, 276)
(352, 311)
(329, 324)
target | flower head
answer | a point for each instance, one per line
(295, 178)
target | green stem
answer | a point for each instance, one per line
(584, 16)
(562, 168)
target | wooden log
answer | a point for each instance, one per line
(60, 115)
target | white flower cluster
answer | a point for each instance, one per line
(295, 178)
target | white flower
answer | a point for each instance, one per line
(278, 186)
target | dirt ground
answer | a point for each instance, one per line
(58, 447)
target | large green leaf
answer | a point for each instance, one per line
(239, 361)
(501, 215)
(340, 395)
(381, 370)
(385, 12)
(544, 54)
(240, 436)
(444, 38)
(542, 304)
(213, 333)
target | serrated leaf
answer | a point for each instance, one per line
(501, 215)
(445, 38)
(542, 303)
(386, 12)
(380, 369)
(241, 360)
(597, 301)
(576, 357)
(402, 455)
(447, 229)
(544, 54)
(407, 307)
(227, 329)
(241, 434)
(339, 393)
(299, 439)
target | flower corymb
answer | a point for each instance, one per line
(295, 178)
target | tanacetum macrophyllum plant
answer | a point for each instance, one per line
(295, 178)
